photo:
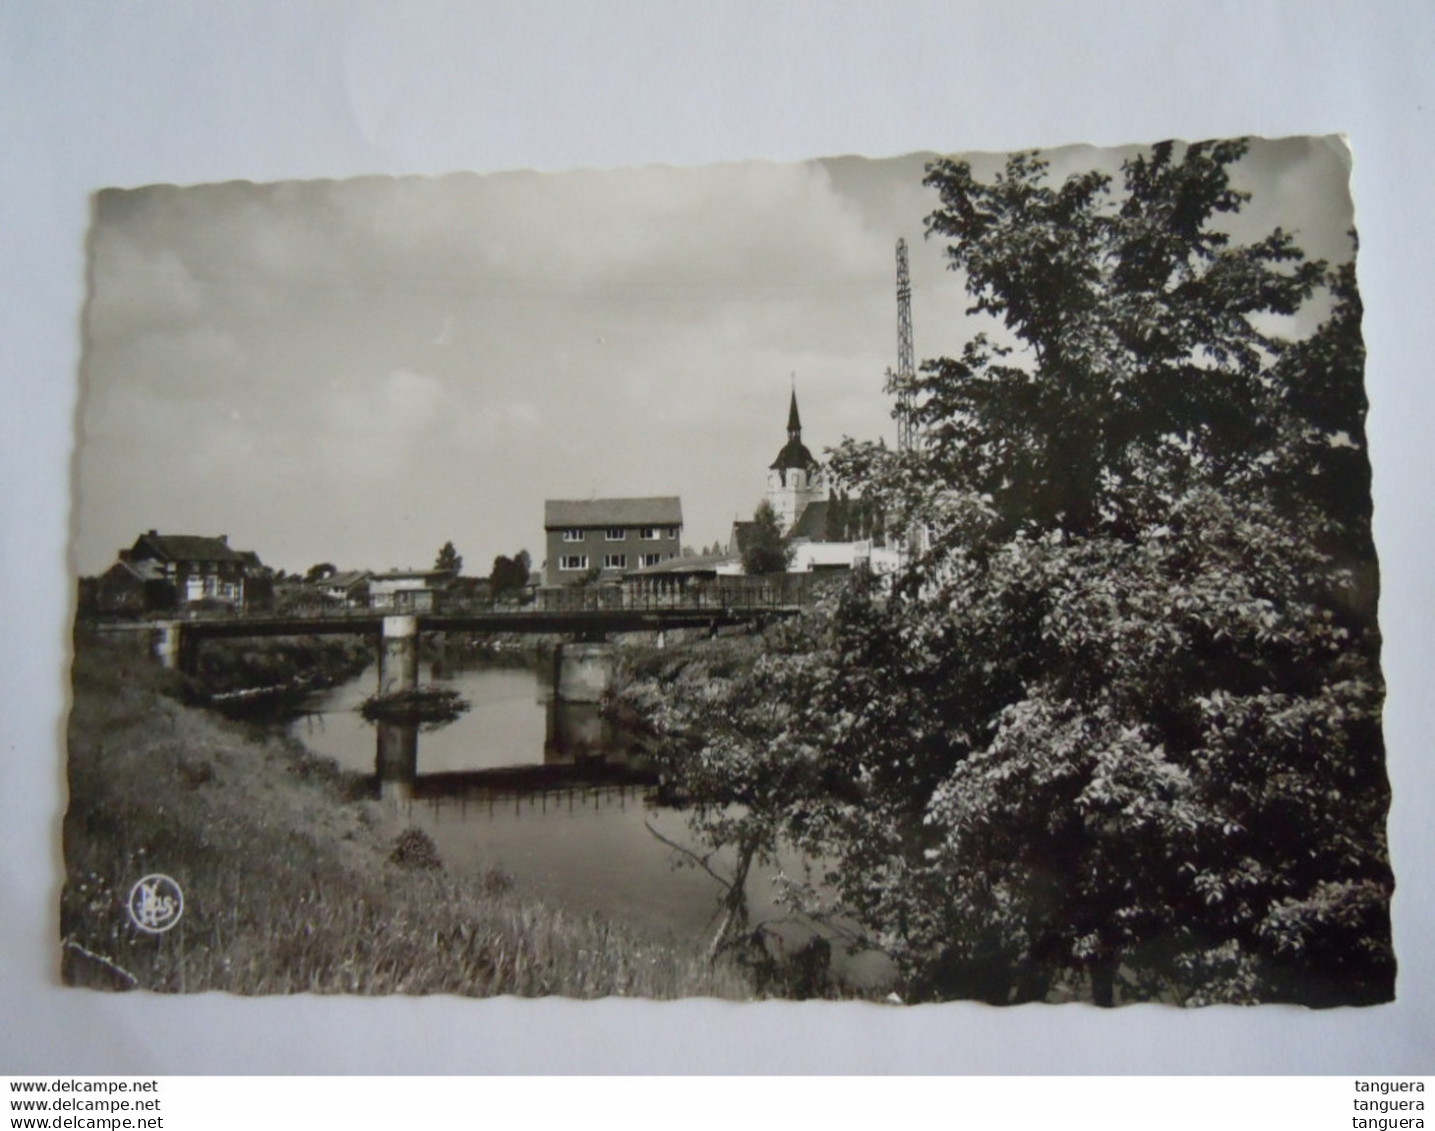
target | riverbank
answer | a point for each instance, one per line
(293, 881)
(233, 665)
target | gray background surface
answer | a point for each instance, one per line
(95, 94)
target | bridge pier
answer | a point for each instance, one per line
(584, 671)
(399, 655)
(173, 646)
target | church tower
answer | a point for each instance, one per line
(795, 478)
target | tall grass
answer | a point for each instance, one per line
(287, 874)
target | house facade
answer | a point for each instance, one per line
(349, 587)
(181, 569)
(611, 536)
(408, 590)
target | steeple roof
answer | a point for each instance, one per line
(794, 455)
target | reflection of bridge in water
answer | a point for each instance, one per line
(583, 760)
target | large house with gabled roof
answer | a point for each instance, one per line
(176, 569)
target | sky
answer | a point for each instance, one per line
(358, 371)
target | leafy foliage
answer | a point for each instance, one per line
(448, 558)
(1115, 732)
(764, 549)
(510, 573)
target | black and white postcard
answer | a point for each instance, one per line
(938, 578)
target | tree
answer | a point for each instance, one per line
(1116, 732)
(321, 571)
(764, 550)
(508, 573)
(449, 559)
(1156, 750)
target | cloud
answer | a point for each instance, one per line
(143, 289)
(356, 369)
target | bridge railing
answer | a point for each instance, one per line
(779, 591)
(722, 594)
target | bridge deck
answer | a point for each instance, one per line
(566, 622)
(597, 621)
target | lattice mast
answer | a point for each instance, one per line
(907, 437)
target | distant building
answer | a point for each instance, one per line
(349, 587)
(133, 588)
(408, 590)
(826, 532)
(166, 570)
(794, 480)
(611, 536)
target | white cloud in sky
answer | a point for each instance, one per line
(358, 371)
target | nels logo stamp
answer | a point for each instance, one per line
(156, 903)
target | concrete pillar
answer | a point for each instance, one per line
(399, 655)
(585, 671)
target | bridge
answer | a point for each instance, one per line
(586, 617)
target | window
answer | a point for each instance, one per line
(615, 561)
(573, 535)
(651, 560)
(573, 561)
(648, 533)
(616, 534)
(672, 532)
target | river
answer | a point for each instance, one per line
(545, 792)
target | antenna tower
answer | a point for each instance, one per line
(906, 368)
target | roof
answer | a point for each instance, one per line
(404, 574)
(692, 563)
(811, 524)
(187, 548)
(146, 570)
(344, 580)
(741, 530)
(664, 510)
(793, 457)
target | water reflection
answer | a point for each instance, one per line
(580, 751)
(397, 763)
(549, 793)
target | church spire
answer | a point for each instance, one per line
(794, 455)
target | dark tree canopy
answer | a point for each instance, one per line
(448, 558)
(1133, 314)
(1114, 732)
(764, 549)
(508, 573)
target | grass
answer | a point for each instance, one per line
(292, 882)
